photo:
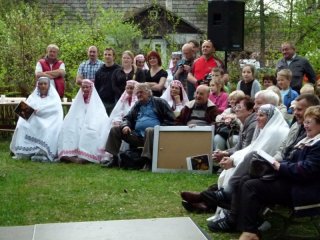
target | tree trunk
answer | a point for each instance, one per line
(262, 34)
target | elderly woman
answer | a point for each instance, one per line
(156, 77)
(85, 128)
(296, 183)
(175, 58)
(176, 96)
(128, 71)
(37, 137)
(271, 130)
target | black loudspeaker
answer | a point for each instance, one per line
(226, 24)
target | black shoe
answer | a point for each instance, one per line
(112, 163)
(222, 225)
(195, 207)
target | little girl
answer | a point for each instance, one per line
(248, 84)
(217, 94)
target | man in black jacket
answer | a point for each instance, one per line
(298, 65)
(103, 82)
(137, 125)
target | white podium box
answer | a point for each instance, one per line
(180, 228)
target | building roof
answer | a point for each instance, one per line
(163, 20)
(187, 10)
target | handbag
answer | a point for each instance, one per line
(131, 159)
(226, 130)
(261, 168)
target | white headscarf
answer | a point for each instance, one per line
(123, 106)
(84, 131)
(267, 139)
(40, 132)
(140, 57)
(179, 54)
(167, 96)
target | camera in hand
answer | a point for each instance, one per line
(206, 80)
(184, 62)
(181, 63)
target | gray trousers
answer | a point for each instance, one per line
(116, 136)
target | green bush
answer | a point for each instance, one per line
(26, 30)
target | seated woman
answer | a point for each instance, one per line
(37, 137)
(84, 130)
(271, 130)
(176, 96)
(124, 104)
(296, 183)
(228, 115)
(244, 113)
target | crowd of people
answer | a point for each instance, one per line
(118, 106)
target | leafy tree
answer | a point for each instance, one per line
(25, 41)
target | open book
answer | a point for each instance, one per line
(266, 156)
(200, 162)
(24, 110)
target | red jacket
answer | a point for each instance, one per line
(59, 81)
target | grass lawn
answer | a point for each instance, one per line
(33, 193)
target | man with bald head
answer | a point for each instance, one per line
(184, 67)
(200, 111)
(298, 65)
(88, 69)
(204, 64)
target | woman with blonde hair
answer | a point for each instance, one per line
(128, 71)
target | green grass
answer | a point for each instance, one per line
(33, 193)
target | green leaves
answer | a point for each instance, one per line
(26, 30)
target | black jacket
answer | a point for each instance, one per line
(120, 78)
(103, 83)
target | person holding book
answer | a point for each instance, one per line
(85, 128)
(271, 130)
(297, 132)
(37, 136)
(296, 183)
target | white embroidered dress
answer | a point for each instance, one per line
(85, 128)
(40, 132)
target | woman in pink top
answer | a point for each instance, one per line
(217, 95)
